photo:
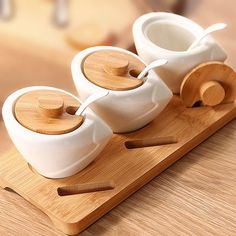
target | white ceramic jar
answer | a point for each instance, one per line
(56, 156)
(161, 35)
(123, 111)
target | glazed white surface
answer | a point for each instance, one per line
(57, 156)
(179, 62)
(123, 111)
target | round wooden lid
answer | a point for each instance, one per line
(211, 83)
(48, 112)
(113, 70)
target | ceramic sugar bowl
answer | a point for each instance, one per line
(131, 103)
(166, 35)
(43, 127)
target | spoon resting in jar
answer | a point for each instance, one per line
(152, 65)
(206, 32)
(92, 98)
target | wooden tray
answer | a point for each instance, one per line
(130, 169)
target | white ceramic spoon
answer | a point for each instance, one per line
(152, 65)
(94, 97)
(207, 31)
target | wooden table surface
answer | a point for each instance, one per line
(195, 196)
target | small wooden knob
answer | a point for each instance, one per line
(50, 106)
(110, 69)
(212, 93)
(116, 66)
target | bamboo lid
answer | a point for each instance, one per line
(211, 83)
(48, 112)
(113, 70)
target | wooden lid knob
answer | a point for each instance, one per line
(116, 66)
(111, 69)
(48, 112)
(212, 93)
(51, 106)
(211, 82)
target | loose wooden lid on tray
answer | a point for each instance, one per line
(113, 70)
(48, 112)
(211, 82)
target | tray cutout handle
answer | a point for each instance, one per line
(85, 188)
(158, 141)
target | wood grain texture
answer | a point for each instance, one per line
(195, 196)
(212, 93)
(113, 70)
(211, 83)
(48, 112)
(130, 169)
(158, 141)
(85, 188)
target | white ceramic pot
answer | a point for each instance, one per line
(161, 35)
(57, 156)
(123, 111)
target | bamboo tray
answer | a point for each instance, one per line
(128, 169)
